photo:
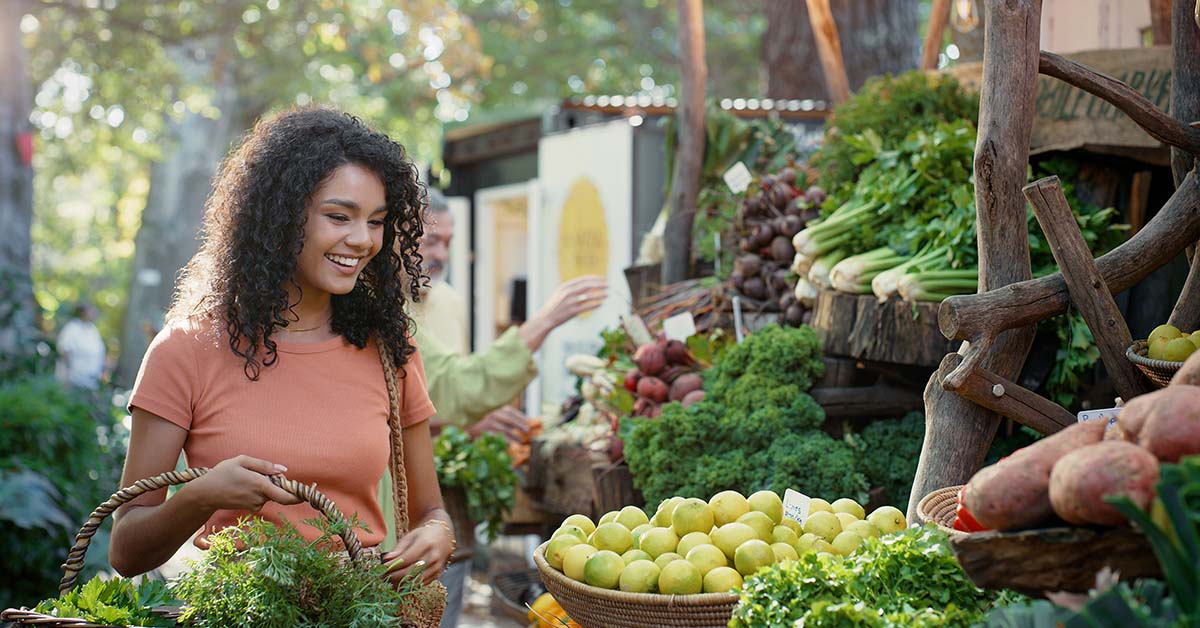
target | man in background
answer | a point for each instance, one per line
(81, 350)
(473, 391)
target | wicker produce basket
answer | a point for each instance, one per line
(26, 617)
(1036, 561)
(938, 508)
(593, 607)
(509, 589)
(1158, 371)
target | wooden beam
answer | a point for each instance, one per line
(933, 36)
(829, 47)
(1006, 398)
(1172, 229)
(1089, 294)
(1159, 125)
(1139, 198)
(958, 432)
(1185, 80)
(875, 401)
(689, 152)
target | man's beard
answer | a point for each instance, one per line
(435, 271)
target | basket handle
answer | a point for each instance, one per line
(310, 494)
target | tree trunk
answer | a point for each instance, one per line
(179, 186)
(17, 308)
(877, 37)
(689, 156)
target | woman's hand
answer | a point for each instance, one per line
(430, 544)
(240, 483)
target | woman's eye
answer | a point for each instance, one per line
(338, 217)
(376, 223)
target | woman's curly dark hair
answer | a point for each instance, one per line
(254, 230)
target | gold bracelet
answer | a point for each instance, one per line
(449, 531)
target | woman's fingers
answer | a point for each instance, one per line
(262, 466)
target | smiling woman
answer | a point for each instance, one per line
(312, 229)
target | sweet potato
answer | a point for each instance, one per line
(1014, 494)
(1172, 426)
(1133, 415)
(1189, 373)
(1083, 478)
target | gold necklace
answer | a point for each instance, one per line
(308, 329)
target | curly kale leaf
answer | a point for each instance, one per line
(780, 356)
(888, 452)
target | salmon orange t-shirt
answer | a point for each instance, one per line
(320, 410)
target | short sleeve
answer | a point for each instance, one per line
(415, 405)
(167, 380)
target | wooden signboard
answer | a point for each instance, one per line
(1067, 118)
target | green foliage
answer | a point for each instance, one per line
(281, 580)
(906, 579)
(115, 602)
(482, 468)
(888, 452)
(65, 444)
(756, 428)
(779, 355)
(921, 100)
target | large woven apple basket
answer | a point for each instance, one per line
(593, 607)
(74, 564)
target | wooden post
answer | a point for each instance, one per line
(829, 47)
(933, 37)
(1185, 105)
(1006, 397)
(1089, 294)
(689, 152)
(959, 432)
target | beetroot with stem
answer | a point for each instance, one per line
(677, 353)
(755, 288)
(650, 359)
(653, 388)
(747, 265)
(782, 249)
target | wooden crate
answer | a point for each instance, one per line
(896, 332)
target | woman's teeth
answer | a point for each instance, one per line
(343, 261)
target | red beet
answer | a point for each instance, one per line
(653, 388)
(677, 353)
(693, 397)
(631, 380)
(651, 359)
(685, 384)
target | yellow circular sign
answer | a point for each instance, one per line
(582, 233)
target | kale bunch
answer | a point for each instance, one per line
(756, 429)
(888, 452)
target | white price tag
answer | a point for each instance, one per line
(738, 178)
(680, 327)
(795, 505)
(1103, 414)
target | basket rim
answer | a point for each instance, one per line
(642, 599)
(950, 492)
(1135, 354)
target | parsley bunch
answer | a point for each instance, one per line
(115, 602)
(258, 574)
(483, 469)
(906, 579)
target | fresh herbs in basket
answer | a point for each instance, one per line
(483, 469)
(115, 602)
(282, 580)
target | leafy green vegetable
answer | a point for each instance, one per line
(282, 580)
(917, 100)
(906, 579)
(888, 452)
(483, 469)
(116, 602)
(756, 428)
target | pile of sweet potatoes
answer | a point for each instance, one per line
(1068, 475)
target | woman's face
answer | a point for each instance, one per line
(343, 232)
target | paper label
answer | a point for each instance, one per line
(680, 327)
(737, 319)
(1103, 414)
(737, 178)
(795, 505)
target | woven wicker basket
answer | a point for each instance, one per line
(26, 617)
(1158, 371)
(593, 607)
(938, 508)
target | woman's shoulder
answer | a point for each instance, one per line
(191, 334)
